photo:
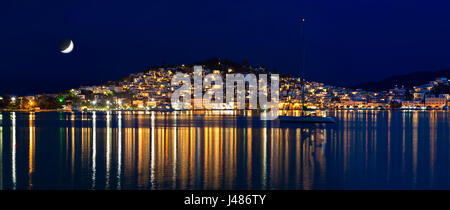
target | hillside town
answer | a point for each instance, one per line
(151, 90)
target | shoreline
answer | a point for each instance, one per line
(204, 110)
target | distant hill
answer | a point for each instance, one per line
(408, 80)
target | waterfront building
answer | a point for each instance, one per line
(435, 103)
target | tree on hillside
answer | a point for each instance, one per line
(395, 105)
(45, 102)
(6, 101)
(408, 95)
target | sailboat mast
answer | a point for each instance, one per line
(302, 39)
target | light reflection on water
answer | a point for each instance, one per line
(182, 150)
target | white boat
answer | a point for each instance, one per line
(306, 119)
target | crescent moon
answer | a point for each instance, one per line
(69, 48)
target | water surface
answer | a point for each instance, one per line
(180, 150)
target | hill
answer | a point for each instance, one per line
(408, 80)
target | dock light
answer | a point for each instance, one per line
(60, 99)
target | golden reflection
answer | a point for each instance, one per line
(143, 152)
(72, 151)
(415, 139)
(366, 143)
(179, 150)
(153, 161)
(31, 150)
(298, 156)
(129, 149)
(108, 148)
(94, 149)
(404, 127)
(320, 153)
(119, 150)
(264, 155)
(308, 161)
(432, 123)
(286, 155)
(388, 175)
(175, 151)
(86, 147)
(13, 150)
(374, 135)
(249, 157)
(1, 151)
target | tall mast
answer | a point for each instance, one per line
(302, 66)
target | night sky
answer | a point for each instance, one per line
(347, 42)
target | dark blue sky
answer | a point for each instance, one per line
(348, 42)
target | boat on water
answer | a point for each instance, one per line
(306, 116)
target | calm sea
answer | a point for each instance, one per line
(182, 150)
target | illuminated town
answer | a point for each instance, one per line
(151, 90)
